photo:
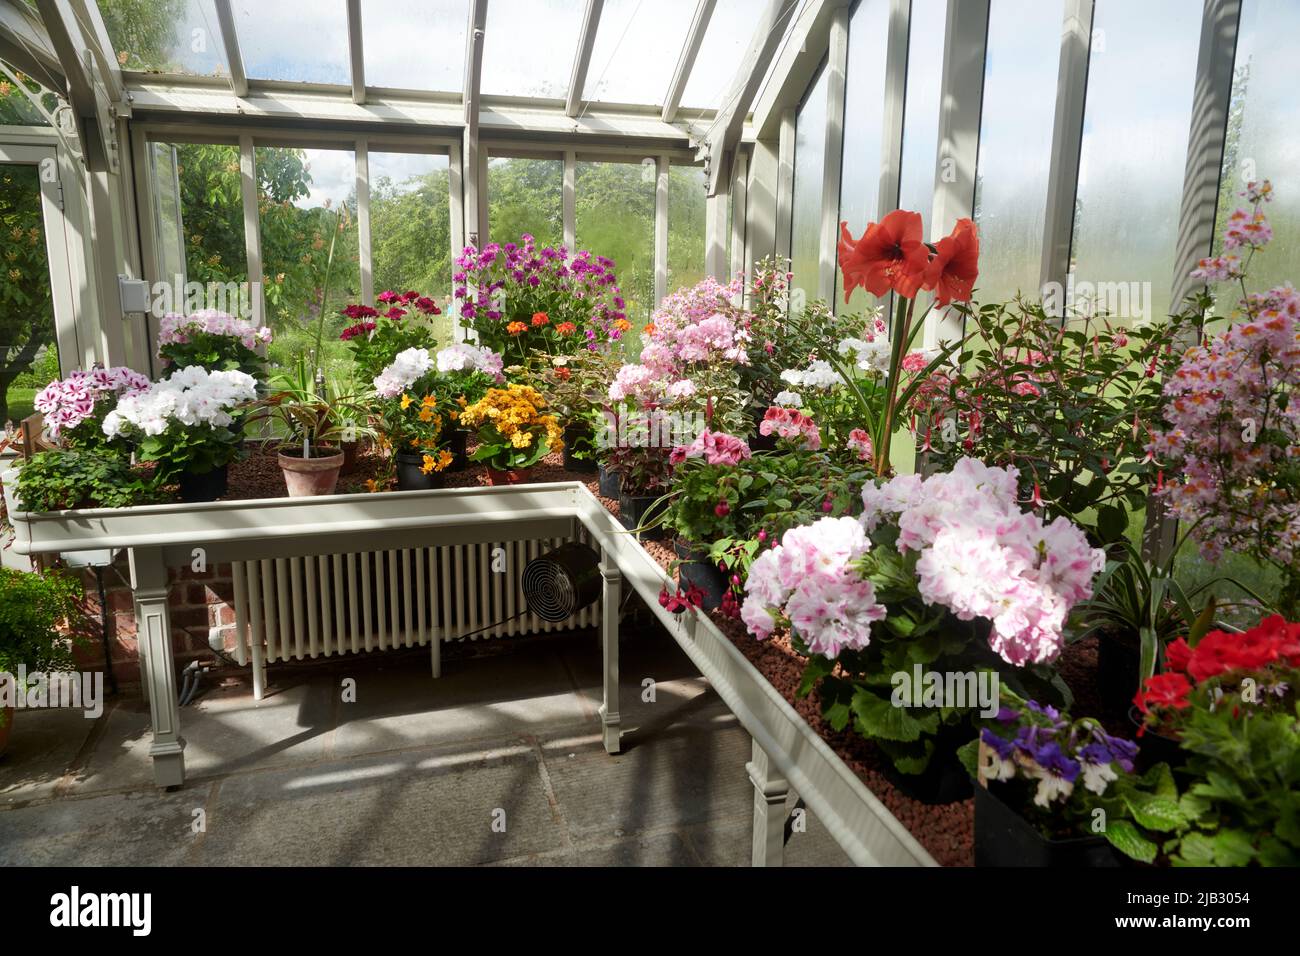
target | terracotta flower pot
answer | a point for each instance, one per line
(310, 477)
(511, 476)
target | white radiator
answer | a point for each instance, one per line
(308, 607)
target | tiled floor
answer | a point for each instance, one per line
(497, 762)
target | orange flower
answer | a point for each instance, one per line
(649, 328)
(540, 318)
(890, 255)
(955, 266)
(562, 374)
(566, 328)
(514, 328)
(622, 325)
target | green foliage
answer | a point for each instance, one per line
(217, 353)
(1071, 407)
(142, 31)
(32, 606)
(526, 196)
(26, 308)
(63, 480)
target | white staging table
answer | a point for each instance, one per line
(787, 753)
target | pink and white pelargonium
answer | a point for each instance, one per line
(980, 556)
(190, 397)
(68, 403)
(174, 328)
(463, 357)
(792, 425)
(810, 580)
(716, 448)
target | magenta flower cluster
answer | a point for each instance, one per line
(67, 403)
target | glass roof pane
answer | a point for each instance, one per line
(529, 46)
(181, 36)
(725, 41)
(289, 40)
(636, 50)
(415, 44)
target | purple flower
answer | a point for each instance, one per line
(1004, 748)
(1051, 758)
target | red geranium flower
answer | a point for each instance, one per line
(890, 255)
(1218, 652)
(955, 266)
(1177, 654)
(1169, 689)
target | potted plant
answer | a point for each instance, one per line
(71, 479)
(1230, 700)
(186, 425)
(574, 387)
(514, 432)
(74, 408)
(313, 420)
(519, 299)
(413, 420)
(1059, 792)
(464, 373)
(212, 340)
(945, 574)
(32, 608)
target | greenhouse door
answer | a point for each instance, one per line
(38, 333)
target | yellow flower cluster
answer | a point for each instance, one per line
(516, 412)
(439, 463)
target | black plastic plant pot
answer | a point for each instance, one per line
(1154, 748)
(1117, 671)
(411, 476)
(208, 486)
(573, 436)
(944, 780)
(635, 510)
(1004, 838)
(459, 456)
(698, 570)
(609, 482)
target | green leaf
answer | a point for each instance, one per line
(1155, 813)
(1125, 837)
(1196, 849)
(878, 717)
(1233, 848)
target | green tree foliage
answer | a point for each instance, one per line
(616, 218)
(142, 31)
(26, 309)
(526, 196)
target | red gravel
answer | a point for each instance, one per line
(946, 830)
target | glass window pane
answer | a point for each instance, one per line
(616, 219)
(1141, 73)
(636, 50)
(16, 108)
(287, 40)
(1263, 140)
(864, 107)
(307, 203)
(208, 215)
(180, 36)
(410, 227)
(28, 355)
(687, 203)
(921, 107)
(415, 44)
(526, 196)
(731, 27)
(1015, 145)
(809, 170)
(529, 46)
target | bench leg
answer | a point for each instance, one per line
(611, 600)
(153, 627)
(770, 791)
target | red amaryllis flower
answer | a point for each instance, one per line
(955, 266)
(1169, 689)
(890, 255)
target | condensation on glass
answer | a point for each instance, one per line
(526, 196)
(1141, 74)
(928, 24)
(415, 44)
(1015, 146)
(616, 219)
(864, 106)
(687, 206)
(809, 172)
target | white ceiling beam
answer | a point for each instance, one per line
(686, 61)
(796, 64)
(724, 135)
(101, 47)
(69, 43)
(474, 38)
(230, 40)
(25, 45)
(582, 59)
(356, 53)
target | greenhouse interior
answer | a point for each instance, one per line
(615, 433)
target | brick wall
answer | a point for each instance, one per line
(201, 611)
